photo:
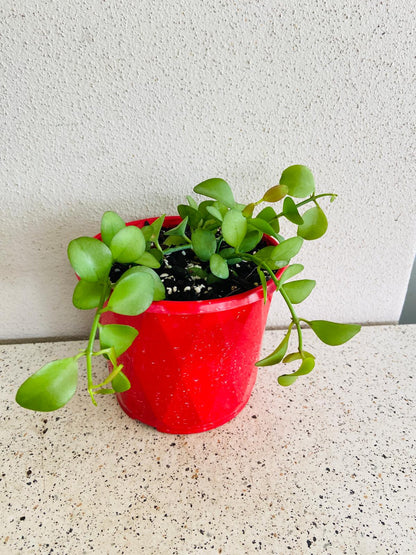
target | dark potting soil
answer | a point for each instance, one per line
(186, 278)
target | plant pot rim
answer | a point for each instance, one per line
(208, 305)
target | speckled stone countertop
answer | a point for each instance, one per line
(325, 466)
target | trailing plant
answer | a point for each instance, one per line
(221, 232)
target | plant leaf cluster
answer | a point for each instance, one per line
(221, 232)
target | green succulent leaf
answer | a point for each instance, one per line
(159, 289)
(263, 282)
(248, 210)
(276, 227)
(111, 223)
(250, 241)
(90, 258)
(308, 364)
(267, 214)
(299, 290)
(277, 355)
(234, 228)
(287, 249)
(202, 209)
(219, 266)
(175, 241)
(297, 356)
(266, 255)
(287, 379)
(87, 294)
(128, 244)
(194, 216)
(118, 336)
(262, 225)
(228, 253)
(192, 202)
(151, 232)
(180, 229)
(314, 224)
(214, 212)
(120, 383)
(204, 243)
(147, 259)
(217, 189)
(276, 193)
(291, 211)
(132, 294)
(299, 181)
(333, 333)
(51, 387)
(291, 271)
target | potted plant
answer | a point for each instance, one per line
(181, 305)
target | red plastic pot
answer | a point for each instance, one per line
(191, 367)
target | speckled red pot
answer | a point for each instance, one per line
(191, 367)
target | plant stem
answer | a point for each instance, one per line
(176, 249)
(295, 318)
(310, 199)
(259, 262)
(90, 346)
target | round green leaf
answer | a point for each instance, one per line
(287, 249)
(287, 379)
(120, 383)
(299, 181)
(87, 295)
(217, 189)
(234, 228)
(248, 210)
(333, 333)
(204, 243)
(111, 223)
(51, 387)
(314, 224)
(215, 212)
(128, 244)
(291, 212)
(297, 356)
(250, 241)
(307, 366)
(149, 260)
(291, 271)
(262, 225)
(219, 266)
(297, 291)
(90, 258)
(159, 292)
(118, 336)
(132, 294)
(277, 355)
(267, 214)
(276, 193)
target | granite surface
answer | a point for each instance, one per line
(325, 466)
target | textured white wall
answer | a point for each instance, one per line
(127, 105)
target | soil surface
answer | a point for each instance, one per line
(186, 278)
